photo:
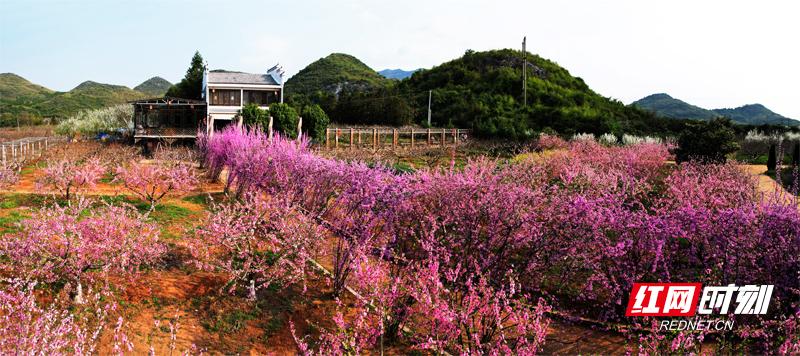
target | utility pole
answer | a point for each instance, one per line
(429, 107)
(524, 73)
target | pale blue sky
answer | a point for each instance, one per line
(711, 53)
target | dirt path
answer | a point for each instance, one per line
(766, 185)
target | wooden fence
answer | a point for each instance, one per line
(360, 138)
(19, 151)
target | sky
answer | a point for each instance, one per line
(710, 53)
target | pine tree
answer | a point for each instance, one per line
(796, 154)
(772, 161)
(191, 86)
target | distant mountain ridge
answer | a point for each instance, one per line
(756, 114)
(398, 74)
(752, 114)
(18, 96)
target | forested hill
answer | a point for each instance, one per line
(483, 91)
(756, 114)
(333, 74)
(667, 106)
(155, 86)
(752, 114)
(19, 98)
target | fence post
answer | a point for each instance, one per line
(374, 139)
(14, 152)
(455, 136)
(327, 134)
(299, 128)
(351, 138)
(444, 132)
(412, 138)
(269, 129)
(429, 136)
(394, 138)
(359, 137)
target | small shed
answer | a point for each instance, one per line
(168, 118)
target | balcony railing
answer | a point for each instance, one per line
(176, 132)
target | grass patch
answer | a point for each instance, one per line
(230, 321)
(107, 178)
(15, 200)
(10, 222)
(204, 199)
(403, 167)
(166, 214)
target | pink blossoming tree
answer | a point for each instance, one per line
(153, 182)
(70, 177)
(76, 243)
(257, 242)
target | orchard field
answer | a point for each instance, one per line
(250, 245)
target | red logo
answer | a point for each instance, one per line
(663, 299)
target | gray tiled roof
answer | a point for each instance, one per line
(226, 77)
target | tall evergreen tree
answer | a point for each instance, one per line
(772, 160)
(191, 86)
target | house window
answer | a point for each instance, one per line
(260, 97)
(226, 97)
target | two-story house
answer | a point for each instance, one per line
(226, 92)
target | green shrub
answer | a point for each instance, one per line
(254, 115)
(284, 119)
(315, 121)
(709, 141)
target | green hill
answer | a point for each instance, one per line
(667, 106)
(483, 91)
(756, 114)
(333, 74)
(21, 98)
(155, 86)
(13, 87)
(87, 95)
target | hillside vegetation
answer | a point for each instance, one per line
(756, 114)
(483, 91)
(13, 87)
(155, 86)
(19, 98)
(667, 106)
(87, 95)
(333, 74)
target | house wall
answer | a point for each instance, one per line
(227, 113)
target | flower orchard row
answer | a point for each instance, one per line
(469, 260)
(72, 248)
